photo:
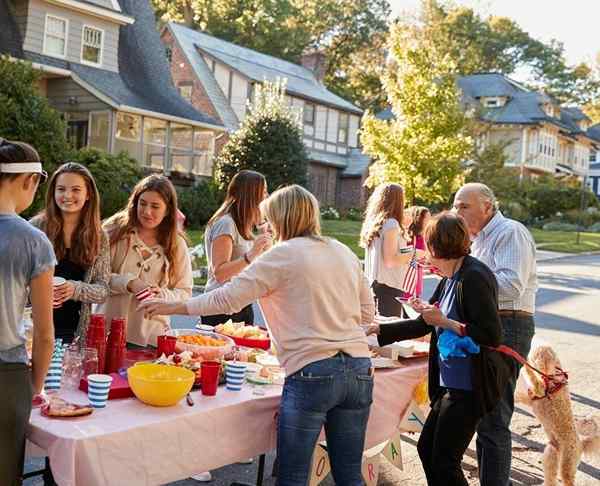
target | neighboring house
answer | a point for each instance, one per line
(594, 172)
(218, 78)
(103, 68)
(543, 136)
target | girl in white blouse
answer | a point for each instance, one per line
(147, 252)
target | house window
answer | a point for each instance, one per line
(55, 36)
(204, 147)
(491, 103)
(99, 130)
(91, 46)
(128, 127)
(185, 91)
(308, 114)
(169, 54)
(181, 144)
(343, 129)
(155, 141)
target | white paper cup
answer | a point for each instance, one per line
(98, 388)
(57, 282)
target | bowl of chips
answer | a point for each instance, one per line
(202, 344)
(242, 335)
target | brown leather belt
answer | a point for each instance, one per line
(514, 313)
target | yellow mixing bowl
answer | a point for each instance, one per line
(160, 385)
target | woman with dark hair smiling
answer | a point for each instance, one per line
(465, 376)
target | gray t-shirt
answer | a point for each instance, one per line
(375, 269)
(25, 252)
(225, 225)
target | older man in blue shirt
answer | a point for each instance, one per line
(508, 249)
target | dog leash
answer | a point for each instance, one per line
(552, 383)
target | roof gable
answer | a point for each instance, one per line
(258, 67)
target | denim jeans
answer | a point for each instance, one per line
(336, 393)
(494, 444)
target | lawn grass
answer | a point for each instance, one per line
(348, 233)
(566, 241)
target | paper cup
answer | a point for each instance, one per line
(235, 374)
(142, 295)
(98, 388)
(56, 282)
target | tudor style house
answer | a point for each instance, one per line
(541, 136)
(103, 67)
(218, 78)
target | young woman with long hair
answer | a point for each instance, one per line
(229, 241)
(387, 254)
(147, 251)
(26, 269)
(419, 216)
(71, 220)
(315, 297)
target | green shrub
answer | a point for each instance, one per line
(354, 214)
(199, 202)
(27, 116)
(330, 213)
(595, 228)
(268, 141)
(557, 226)
(115, 175)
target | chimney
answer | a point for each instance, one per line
(315, 61)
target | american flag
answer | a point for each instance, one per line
(411, 276)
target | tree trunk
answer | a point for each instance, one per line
(188, 15)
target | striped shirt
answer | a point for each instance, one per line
(508, 249)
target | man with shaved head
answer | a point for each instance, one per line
(507, 247)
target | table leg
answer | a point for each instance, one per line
(259, 475)
(46, 474)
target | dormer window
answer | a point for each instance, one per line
(493, 101)
(55, 36)
(91, 45)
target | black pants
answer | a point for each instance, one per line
(447, 432)
(15, 407)
(385, 299)
(245, 315)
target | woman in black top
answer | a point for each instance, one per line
(465, 383)
(71, 220)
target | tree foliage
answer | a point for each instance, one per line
(423, 147)
(498, 44)
(27, 116)
(350, 32)
(269, 141)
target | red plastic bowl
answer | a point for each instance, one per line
(252, 343)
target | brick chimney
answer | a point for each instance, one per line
(316, 62)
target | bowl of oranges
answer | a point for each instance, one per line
(202, 344)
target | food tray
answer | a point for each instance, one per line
(251, 343)
(207, 352)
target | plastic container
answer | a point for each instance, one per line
(209, 353)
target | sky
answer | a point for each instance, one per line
(576, 23)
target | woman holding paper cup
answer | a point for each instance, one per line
(71, 220)
(387, 255)
(148, 257)
(314, 296)
(229, 242)
(466, 378)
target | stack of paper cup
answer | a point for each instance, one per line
(235, 373)
(54, 377)
(98, 388)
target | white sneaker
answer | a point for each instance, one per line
(203, 477)
(246, 461)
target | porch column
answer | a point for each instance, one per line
(524, 144)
